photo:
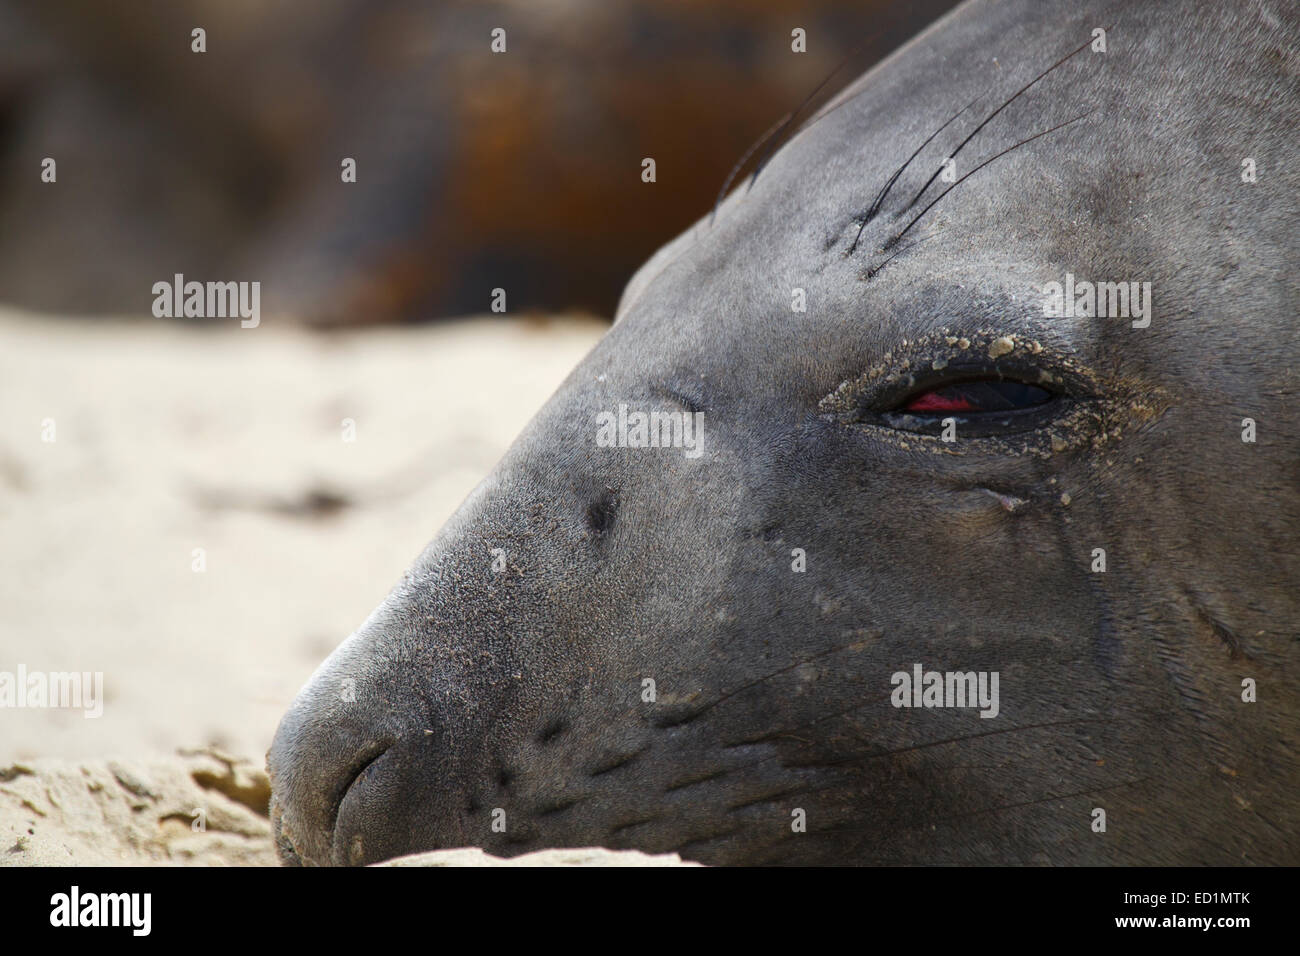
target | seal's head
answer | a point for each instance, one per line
(936, 555)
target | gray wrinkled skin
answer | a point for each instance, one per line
(1122, 690)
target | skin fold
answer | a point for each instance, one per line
(472, 690)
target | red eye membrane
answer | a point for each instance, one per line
(992, 395)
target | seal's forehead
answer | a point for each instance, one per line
(807, 196)
(1121, 193)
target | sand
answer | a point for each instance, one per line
(172, 444)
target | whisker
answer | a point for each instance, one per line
(727, 695)
(884, 190)
(878, 754)
(818, 117)
(790, 117)
(779, 127)
(893, 242)
(872, 273)
(987, 733)
(1048, 799)
(740, 163)
(842, 830)
(1087, 43)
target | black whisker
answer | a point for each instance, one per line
(818, 117)
(988, 118)
(740, 163)
(893, 242)
(884, 191)
(790, 117)
(872, 273)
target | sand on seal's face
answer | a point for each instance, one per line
(170, 439)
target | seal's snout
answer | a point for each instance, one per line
(340, 761)
(337, 774)
(419, 731)
(318, 758)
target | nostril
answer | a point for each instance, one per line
(601, 511)
(358, 773)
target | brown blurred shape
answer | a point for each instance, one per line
(476, 170)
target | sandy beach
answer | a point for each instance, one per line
(200, 515)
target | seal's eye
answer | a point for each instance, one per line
(981, 405)
(987, 396)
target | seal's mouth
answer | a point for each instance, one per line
(283, 836)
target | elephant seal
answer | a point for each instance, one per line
(967, 569)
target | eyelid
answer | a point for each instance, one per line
(873, 398)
